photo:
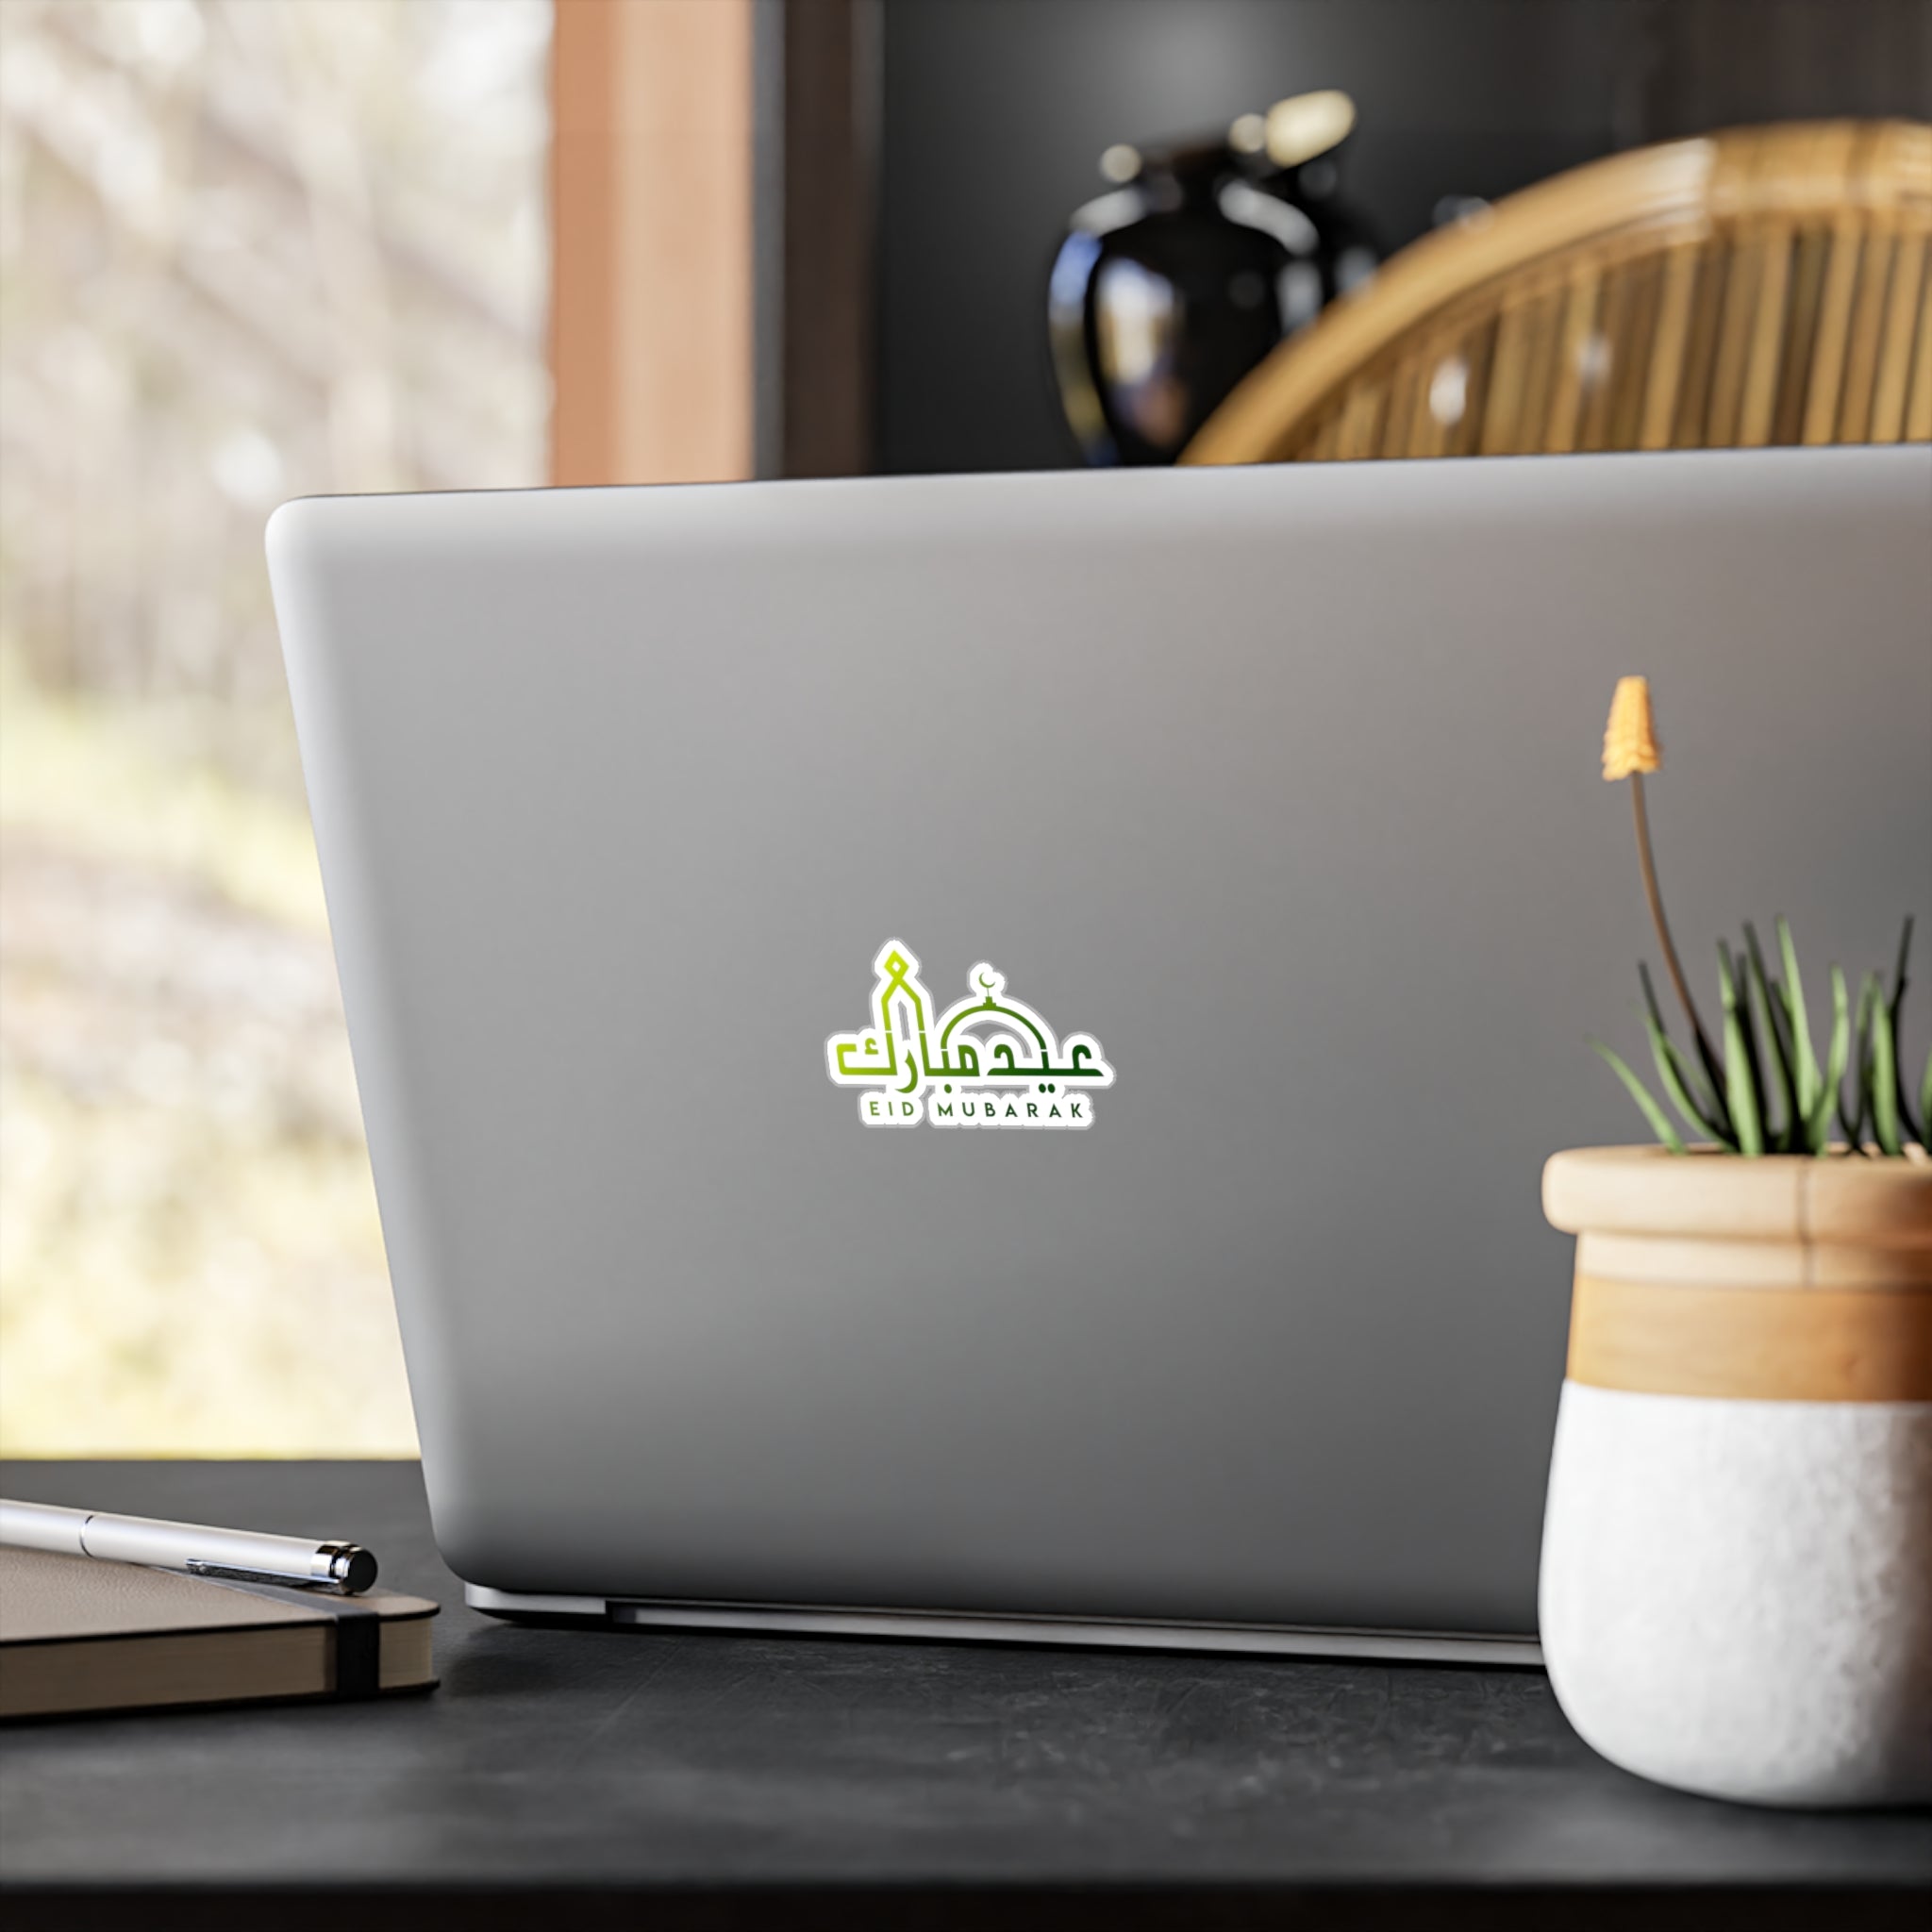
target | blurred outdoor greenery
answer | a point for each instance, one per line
(247, 251)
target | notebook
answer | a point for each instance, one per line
(77, 1636)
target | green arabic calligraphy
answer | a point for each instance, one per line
(986, 1040)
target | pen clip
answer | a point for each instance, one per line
(229, 1573)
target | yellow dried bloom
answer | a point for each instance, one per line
(1630, 737)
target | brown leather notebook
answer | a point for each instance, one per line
(78, 1635)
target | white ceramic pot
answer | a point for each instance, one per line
(1737, 1568)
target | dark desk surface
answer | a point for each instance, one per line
(717, 1780)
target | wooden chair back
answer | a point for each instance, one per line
(1769, 285)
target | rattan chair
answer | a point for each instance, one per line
(1766, 286)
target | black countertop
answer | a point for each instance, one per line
(603, 1777)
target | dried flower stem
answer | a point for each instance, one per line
(1648, 865)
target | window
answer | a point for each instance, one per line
(247, 252)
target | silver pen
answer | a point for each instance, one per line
(244, 1556)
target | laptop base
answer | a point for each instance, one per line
(1250, 1640)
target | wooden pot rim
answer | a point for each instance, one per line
(1843, 1199)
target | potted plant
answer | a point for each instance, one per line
(1737, 1570)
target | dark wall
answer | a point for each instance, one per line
(995, 111)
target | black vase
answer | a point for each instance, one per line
(1167, 291)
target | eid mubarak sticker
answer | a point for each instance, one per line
(988, 1062)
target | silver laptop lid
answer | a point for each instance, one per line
(1265, 806)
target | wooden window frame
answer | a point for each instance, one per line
(713, 169)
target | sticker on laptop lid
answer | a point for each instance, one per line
(988, 1062)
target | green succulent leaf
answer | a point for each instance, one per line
(1740, 1093)
(1659, 1121)
(1675, 1072)
(1767, 992)
(1754, 1060)
(1706, 1107)
(1818, 1126)
(1885, 1122)
(1920, 1129)
(1803, 1062)
(1853, 1121)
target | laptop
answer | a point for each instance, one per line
(972, 1055)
